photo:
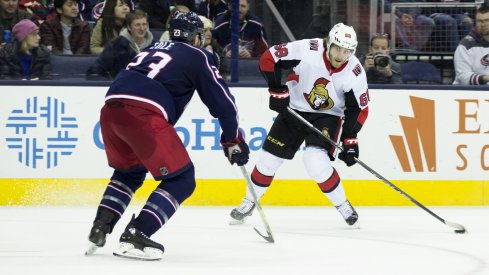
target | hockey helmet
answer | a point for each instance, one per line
(184, 26)
(343, 36)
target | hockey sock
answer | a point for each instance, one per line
(260, 184)
(165, 201)
(333, 189)
(119, 193)
(318, 166)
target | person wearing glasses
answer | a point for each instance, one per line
(471, 58)
(378, 64)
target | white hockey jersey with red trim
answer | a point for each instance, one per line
(314, 85)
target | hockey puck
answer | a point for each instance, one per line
(460, 231)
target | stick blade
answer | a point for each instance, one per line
(268, 238)
(459, 229)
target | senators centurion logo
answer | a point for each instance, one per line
(419, 135)
(318, 98)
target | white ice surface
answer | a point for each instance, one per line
(309, 240)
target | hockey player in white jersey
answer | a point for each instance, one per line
(328, 84)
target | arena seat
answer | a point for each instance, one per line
(420, 73)
(71, 67)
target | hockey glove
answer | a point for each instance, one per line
(236, 150)
(350, 151)
(279, 99)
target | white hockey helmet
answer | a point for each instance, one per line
(343, 36)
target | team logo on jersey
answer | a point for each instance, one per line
(313, 45)
(357, 70)
(485, 60)
(318, 98)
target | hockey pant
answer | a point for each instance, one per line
(318, 167)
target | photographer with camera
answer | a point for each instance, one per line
(378, 64)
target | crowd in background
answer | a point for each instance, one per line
(117, 30)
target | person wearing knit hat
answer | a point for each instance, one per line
(23, 29)
(25, 58)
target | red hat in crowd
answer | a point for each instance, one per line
(23, 28)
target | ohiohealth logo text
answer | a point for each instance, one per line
(40, 132)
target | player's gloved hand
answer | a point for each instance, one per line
(350, 151)
(236, 150)
(279, 98)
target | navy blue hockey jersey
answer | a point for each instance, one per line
(166, 75)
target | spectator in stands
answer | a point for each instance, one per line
(251, 32)
(160, 10)
(472, 55)
(378, 64)
(451, 25)
(65, 33)
(91, 10)
(212, 8)
(165, 36)
(413, 30)
(24, 58)
(41, 10)
(210, 44)
(10, 15)
(118, 53)
(109, 25)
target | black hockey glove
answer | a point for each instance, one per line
(350, 151)
(236, 150)
(279, 98)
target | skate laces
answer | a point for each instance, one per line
(245, 206)
(345, 209)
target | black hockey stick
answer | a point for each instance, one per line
(458, 227)
(269, 236)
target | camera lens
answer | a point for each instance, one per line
(381, 60)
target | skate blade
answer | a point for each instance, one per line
(356, 225)
(91, 249)
(237, 222)
(128, 251)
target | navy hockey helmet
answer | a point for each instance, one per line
(184, 26)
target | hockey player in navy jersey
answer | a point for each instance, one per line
(141, 107)
(327, 84)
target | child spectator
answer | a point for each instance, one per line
(109, 25)
(65, 33)
(118, 53)
(24, 58)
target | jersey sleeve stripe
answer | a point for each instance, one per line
(362, 116)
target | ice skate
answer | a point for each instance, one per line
(348, 212)
(240, 213)
(99, 231)
(134, 244)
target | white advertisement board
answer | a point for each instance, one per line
(53, 132)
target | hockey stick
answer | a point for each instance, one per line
(269, 236)
(458, 227)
